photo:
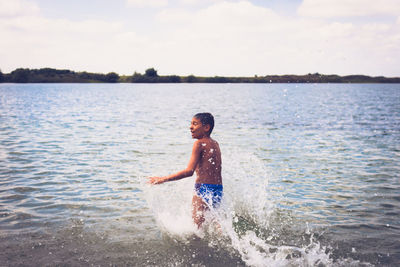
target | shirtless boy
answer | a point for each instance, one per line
(206, 162)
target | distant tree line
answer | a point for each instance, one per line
(49, 75)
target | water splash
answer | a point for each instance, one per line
(248, 222)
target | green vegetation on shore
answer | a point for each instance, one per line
(49, 75)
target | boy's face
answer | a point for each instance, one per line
(197, 129)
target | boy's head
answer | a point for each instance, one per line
(206, 118)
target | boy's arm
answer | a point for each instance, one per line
(194, 159)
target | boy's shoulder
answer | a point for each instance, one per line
(206, 142)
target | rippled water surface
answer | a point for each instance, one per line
(311, 174)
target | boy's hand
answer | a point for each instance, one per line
(155, 180)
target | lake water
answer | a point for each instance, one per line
(310, 171)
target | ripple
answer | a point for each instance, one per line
(25, 189)
(10, 198)
(56, 208)
(17, 217)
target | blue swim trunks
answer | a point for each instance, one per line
(210, 193)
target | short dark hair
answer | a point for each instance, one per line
(206, 118)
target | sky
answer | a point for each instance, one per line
(203, 37)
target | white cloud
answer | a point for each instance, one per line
(147, 3)
(17, 8)
(199, 2)
(190, 2)
(34, 41)
(243, 39)
(173, 15)
(348, 8)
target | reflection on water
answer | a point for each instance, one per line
(310, 174)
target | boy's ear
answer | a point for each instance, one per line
(207, 127)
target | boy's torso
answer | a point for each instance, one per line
(208, 170)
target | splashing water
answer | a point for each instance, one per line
(247, 223)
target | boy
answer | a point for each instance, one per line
(206, 162)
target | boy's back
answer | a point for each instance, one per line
(208, 169)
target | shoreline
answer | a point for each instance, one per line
(49, 75)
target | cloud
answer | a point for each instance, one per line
(190, 2)
(35, 41)
(241, 38)
(17, 8)
(200, 2)
(348, 8)
(173, 15)
(147, 3)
